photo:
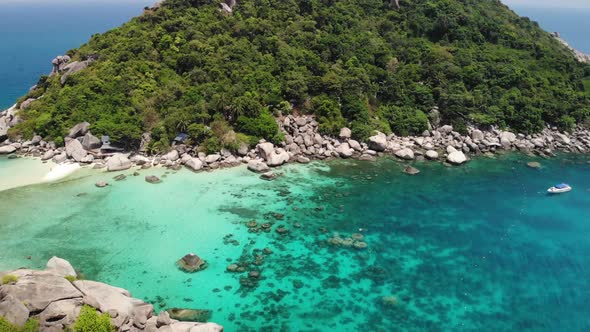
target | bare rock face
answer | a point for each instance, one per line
(13, 310)
(61, 313)
(37, 289)
(172, 156)
(258, 166)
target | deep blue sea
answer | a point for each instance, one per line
(32, 33)
(572, 24)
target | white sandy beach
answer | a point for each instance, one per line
(26, 171)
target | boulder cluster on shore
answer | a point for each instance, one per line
(302, 143)
(55, 297)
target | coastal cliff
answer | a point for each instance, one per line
(54, 299)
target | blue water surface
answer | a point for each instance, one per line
(33, 33)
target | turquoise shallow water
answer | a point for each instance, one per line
(479, 247)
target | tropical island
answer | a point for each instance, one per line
(210, 85)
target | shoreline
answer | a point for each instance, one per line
(302, 144)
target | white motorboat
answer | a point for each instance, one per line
(559, 189)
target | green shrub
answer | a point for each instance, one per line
(71, 278)
(567, 123)
(31, 325)
(90, 321)
(262, 126)
(9, 279)
(5, 326)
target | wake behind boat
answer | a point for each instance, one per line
(559, 189)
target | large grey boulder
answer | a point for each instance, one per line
(14, 310)
(194, 164)
(278, 157)
(60, 267)
(105, 298)
(506, 139)
(75, 150)
(456, 157)
(37, 289)
(406, 154)
(378, 142)
(73, 68)
(79, 130)
(345, 133)
(344, 150)
(25, 104)
(265, 149)
(212, 158)
(258, 166)
(431, 154)
(355, 145)
(446, 129)
(91, 142)
(61, 313)
(243, 149)
(59, 158)
(561, 138)
(172, 155)
(48, 155)
(7, 149)
(118, 162)
(477, 135)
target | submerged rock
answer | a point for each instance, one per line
(191, 263)
(101, 184)
(410, 170)
(192, 315)
(152, 179)
(534, 164)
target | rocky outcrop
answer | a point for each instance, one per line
(56, 303)
(191, 263)
(79, 130)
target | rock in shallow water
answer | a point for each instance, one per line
(152, 179)
(191, 263)
(411, 170)
(192, 315)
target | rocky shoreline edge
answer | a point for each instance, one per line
(303, 143)
(55, 297)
